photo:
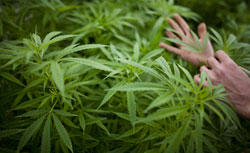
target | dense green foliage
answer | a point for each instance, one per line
(89, 76)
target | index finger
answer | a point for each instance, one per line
(182, 23)
(222, 56)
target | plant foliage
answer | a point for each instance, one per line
(88, 76)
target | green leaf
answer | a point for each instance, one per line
(140, 86)
(218, 39)
(78, 48)
(82, 122)
(217, 112)
(7, 133)
(11, 77)
(163, 99)
(177, 138)
(210, 146)
(205, 41)
(198, 134)
(152, 54)
(131, 106)
(91, 63)
(144, 68)
(188, 75)
(54, 40)
(190, 146)
(136, 52)
(68, 122)
(131, 132)
(58, 77)
(110, 94)
(29, 132)
(164, 113)
(29, 103)
(63, 113)
(33, 113)
(45, 148)
(62, 133)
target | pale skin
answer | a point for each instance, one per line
(220, 68)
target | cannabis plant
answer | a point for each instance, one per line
(89, 76)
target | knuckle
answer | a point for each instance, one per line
(230, 64)
(219, 52)
(210, 59)
(202, 68)
(220, 71)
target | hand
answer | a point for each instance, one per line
(185, 35)
(225, 71)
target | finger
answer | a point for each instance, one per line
(202, 31)
(182, 23)
(197, 79)
(176, 27)
(212, 62)
(171, 49)
(172, 35)
(222, 56)
(209, 72)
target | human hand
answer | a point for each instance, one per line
(223, 70)
(185, 35)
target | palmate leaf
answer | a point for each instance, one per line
(140, 86)
(29, 132)
(131, 106)
(45, 148)
(62, 133)
(58, 77)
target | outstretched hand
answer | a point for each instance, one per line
(185, 35)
